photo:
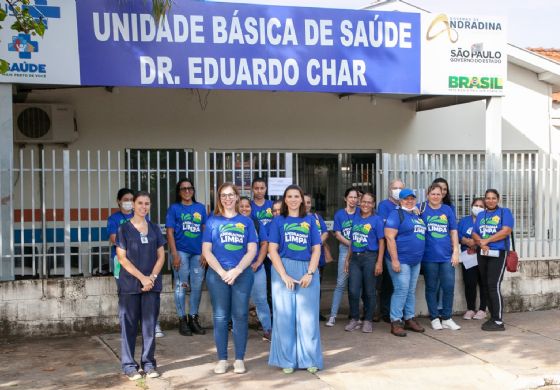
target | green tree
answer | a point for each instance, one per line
(28, 24)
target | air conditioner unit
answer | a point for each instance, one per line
(44, 124)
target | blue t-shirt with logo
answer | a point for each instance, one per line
(384, 208)
(439, 224)
(295, 236)
(263, 236)
(343, 222)
(411, 236)
(489, 223)
(465, 230)
(141, 250)
(186, 222)
(229, 238)
(366, 233)
(262, 213)
(113, 223)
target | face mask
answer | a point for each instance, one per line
(395, 193)
(127, 206)
(407, 209)
(477, 210)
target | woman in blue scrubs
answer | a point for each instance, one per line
(141, 256)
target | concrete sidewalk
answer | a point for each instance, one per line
(525, 356)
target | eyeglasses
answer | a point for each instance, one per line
(227, 196)
(187, 189)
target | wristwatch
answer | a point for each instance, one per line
(154, 276)
(310, 273)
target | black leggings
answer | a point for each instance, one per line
(472, 279)
(492, 271)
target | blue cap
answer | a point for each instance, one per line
(405, 193)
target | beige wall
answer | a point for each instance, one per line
(158, 118)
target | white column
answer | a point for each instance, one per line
(493, 143)
(6, 169)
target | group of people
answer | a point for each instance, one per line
(257, 249)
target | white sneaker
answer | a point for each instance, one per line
(239, 367)
(159, 332)
(221, 367)
(450, 324)
(331, 321)
(436, 324)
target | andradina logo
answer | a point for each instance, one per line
(443, 24)
(233, 236)
(295, 235)
(489, 226)
(191, 224)
(437, 226)
(360, 235)
(419, 228)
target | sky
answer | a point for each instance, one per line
(530, 23)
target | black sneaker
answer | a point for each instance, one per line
(322, 317)
(194, 325)
(184, 328)
(492, 326)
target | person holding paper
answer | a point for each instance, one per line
(294, 247)
(229, 244)
(491, 234)
(471, 272)
(441, 256)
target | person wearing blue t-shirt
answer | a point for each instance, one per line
(405, 235)
(125, 213)
(385, 285)
(342, 227)
(441, 256)
(491, 233)
(364, 262)
(141, 255)
(471, 276)
(294, 248)
(261, 209)
(229, 245)
(184, 223)
(259, 291)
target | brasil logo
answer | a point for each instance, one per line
(295, 235)
(232, 235)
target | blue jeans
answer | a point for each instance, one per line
(403, 300)
(258, 295)
(134, 308)
(230, 302)
(341, 280)
(362, 284)
(190, 273)
(439, 275)
(296, 339)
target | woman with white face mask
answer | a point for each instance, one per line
(125, 213)
(384, 208)
(471, 276)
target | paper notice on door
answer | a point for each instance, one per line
(468, 260)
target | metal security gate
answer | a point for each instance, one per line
(530, 187)
(61, 200)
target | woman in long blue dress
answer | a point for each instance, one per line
(294, 249)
